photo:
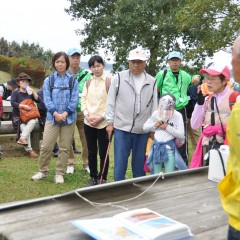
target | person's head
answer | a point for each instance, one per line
(175, 60)
(74, 55)
(60, 62)
(166, 106)
(137, 61)
(23, 80)
(96, 64)
(216, 77)
(11, 84)
(236, 59)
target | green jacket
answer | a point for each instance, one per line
(82, 76)
(178, 89)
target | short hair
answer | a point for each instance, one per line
(57, 56)
(94, 59)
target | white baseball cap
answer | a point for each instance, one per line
(138, 54)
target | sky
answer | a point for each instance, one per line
(39, 21)
(45, 22)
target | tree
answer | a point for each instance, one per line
(160, 26)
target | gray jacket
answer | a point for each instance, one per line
(122, 105)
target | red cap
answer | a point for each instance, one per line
(217, 69)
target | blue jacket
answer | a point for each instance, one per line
(158, 154)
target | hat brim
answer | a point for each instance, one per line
(210, 71)
(135, 58)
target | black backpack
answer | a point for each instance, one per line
(70, 87)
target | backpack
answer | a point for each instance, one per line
(6, 92)
(159, 90)
(107, 82)
(70, 87)
(232, 99)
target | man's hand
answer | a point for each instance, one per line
(109, 130)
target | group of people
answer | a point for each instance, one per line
(131, 106)
(128, 106)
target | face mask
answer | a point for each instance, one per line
(166, 107)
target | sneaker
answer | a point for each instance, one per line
(92, 182)
(38, 176)
(22, 141)
(55, 154)
(70, 170)
(59, 179)
(32, 154)
(87, 169)
(77, 151)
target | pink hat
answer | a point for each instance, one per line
(217, 69)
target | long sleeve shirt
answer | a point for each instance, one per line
(61, 99)
(199, 111)
(175, 128)
(94, 99)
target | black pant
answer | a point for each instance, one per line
(184, 149)
(97, 138)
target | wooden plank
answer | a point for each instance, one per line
(190, 199)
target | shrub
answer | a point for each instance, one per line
(30, 66)
(5, 64)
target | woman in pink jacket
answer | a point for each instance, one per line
(211, 112)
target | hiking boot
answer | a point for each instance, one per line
(87, 169)
(70, 170)
(38, 176)
(32, 154)
(59, 179)
(22, 141)
(92, 182)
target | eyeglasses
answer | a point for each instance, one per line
(211, 79)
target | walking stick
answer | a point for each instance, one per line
(105, 161)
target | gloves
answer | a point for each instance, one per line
(200, 98)
(212, 130)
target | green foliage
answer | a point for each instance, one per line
(160, 26)
(5, 63)
(30, 66)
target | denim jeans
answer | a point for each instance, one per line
(233, 234)
(124, 142)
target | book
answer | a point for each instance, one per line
(143, 224)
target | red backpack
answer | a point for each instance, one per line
(233, 98)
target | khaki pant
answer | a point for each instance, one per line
(193, 135)
(80, 127)
(50, 135)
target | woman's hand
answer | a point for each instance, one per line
(26, 107)
(94, 120)
(59, 117)
(161, 124)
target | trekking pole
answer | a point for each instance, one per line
(105, 161)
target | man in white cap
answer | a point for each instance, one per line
(176, 81)
(82, 76)
(131, 100)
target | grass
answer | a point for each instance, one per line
(4, 77)
(16, 170)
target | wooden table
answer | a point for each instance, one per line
(186, 196)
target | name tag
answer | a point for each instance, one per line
(80, 95)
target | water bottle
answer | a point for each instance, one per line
(28, 90)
